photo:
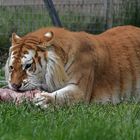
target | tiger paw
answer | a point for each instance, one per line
(43, 99)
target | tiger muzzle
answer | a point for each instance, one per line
(16, 86)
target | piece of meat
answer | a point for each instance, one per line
(8, 95)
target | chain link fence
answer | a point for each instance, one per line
(94, 16)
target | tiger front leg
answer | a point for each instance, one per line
(43, 99)
(65, 96)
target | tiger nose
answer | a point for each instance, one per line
(16, 86)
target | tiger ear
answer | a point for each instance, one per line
(48, 36)
(47, 41)
(15, 38)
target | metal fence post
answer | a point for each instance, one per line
(137, 5)
(109, 14)
(52, 12)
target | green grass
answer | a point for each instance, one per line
(78, 122)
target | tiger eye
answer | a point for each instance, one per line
(28, 66)
(11, 68)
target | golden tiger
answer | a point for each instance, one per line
(76, 66)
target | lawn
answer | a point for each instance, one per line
(78, 122)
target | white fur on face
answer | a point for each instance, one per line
(9, 63)
(11, 60)
(27, 58)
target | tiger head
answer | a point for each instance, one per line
(30, 65)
